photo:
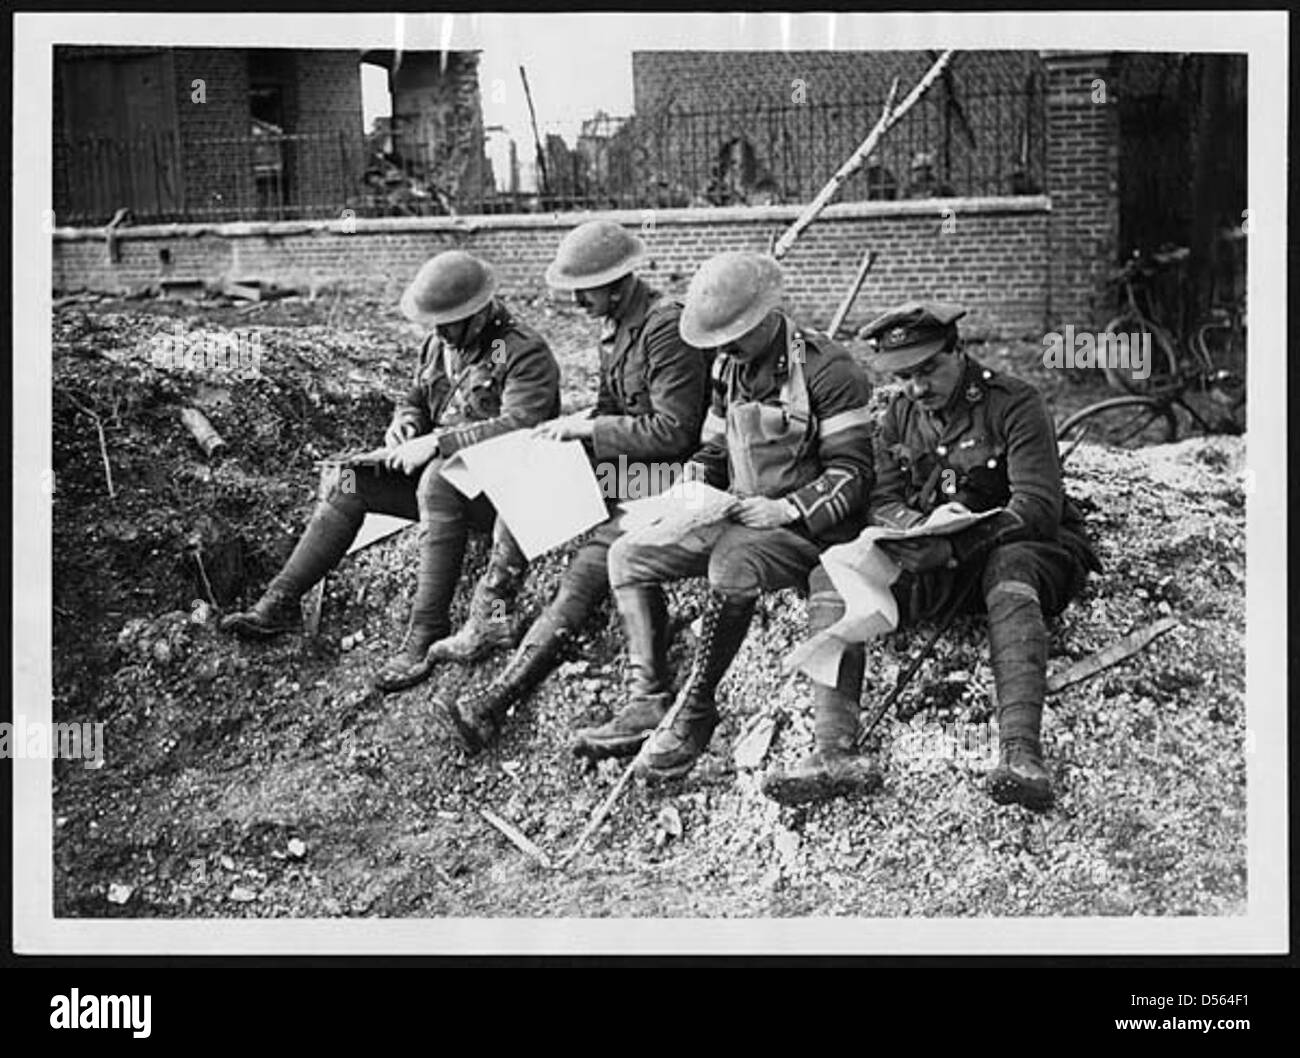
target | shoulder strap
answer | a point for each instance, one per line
(794, 390)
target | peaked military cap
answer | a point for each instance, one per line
(908, 335)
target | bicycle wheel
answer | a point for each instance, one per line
(1121, 422)
(1163, 363)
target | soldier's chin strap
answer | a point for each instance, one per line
(474, 327)
(620, 289)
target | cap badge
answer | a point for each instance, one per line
(896, 336)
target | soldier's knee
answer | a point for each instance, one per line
(734, 571)
(1005, 596)
(338, 489)
(434, 493)
(819, 581)
(626, 563)
(589, 565)
(1009, 562)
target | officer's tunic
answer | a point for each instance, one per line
(994, 446)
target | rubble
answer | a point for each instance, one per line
(217, 747)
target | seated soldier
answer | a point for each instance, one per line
(653, 393)
(788, 432)
(481, 373)
(961, 433)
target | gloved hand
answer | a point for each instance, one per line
(978, 540)
(921, 554)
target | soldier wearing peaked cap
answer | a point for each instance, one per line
(958, 433)
(788, 431)
(652, 397)
(481, 373)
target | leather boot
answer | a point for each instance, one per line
(488, 627)
(325, 541)
(1018, 649)
(270, 616)
(834, 768)
(645, 624)
(442, 550)
(673, 751)
(478, 719)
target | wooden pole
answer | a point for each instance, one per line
(537, 140)
(606, 806)
(868, 259)
(888, 119)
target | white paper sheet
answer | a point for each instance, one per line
(862, 574)
(545, 491)
(686, 506)
(377, 527)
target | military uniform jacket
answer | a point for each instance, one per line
(995, 447)
(823, 463)
(654, 387)
(508, 381)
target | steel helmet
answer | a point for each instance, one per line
(728, 297)
(449, 287)
(594, 254)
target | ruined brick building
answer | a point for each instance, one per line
(247, 133)
(172, 132)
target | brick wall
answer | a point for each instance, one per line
(990, 254)
(696, 80)
(1082, 181)
(328, 89)
(213, 175)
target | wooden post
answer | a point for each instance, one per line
(544, 182)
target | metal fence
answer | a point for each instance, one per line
(261, 176)
(989, 143)
(985, 144)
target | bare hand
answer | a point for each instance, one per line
(566, 428)
(758, 512)
(399, 433)
(921, 554)
(411, 457)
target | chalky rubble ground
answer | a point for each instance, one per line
(259, 781)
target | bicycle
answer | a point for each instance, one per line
(1208, 361)
(1150, 417)
(1135, 281)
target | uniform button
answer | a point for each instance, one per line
(942, 450)
(992, 463)
(988, 374)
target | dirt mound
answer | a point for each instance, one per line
(269, 780)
